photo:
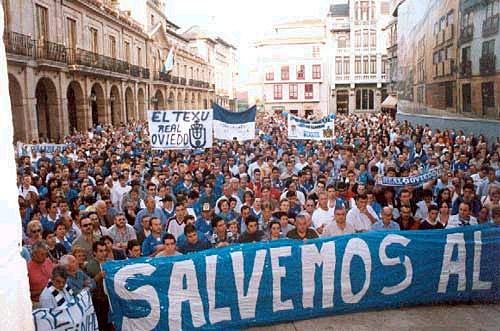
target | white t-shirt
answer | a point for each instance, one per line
(322, 217)
(333, 230)
(175, 228)
(117, 194)
(359, 221)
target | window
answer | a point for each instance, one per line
(449, 18)
(373, 65)
(365, 38)
(489, 48)
(448, 92)
(42, 22)
(127, 51)
(490, 9)
(301, 72)
(384, 7)
(373, 39)
(338, 66)
(6, 10)
(364, 99)
(93, 40)
(347, 65)
(285, 73)
(316, 71)
(365, 64)
(316, 52)
(71, 26)
(465, 54)
(112, 47)
(270, 75)
(342, 42)
(357, 38)
(139, 57)
(435, 58)
(278, 92)
(442, 23)
(152, 20)
(364, 10)
(357, 65)
(293, 91)
(384, 65)
(308, 91)
(487, 91)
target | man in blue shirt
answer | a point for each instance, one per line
(150, 210)
(204, 222)
(387, 223)
(193, 242)
(152, 245)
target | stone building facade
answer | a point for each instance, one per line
(75, 63)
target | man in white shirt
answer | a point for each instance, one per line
(362, 216)
(322, 216)
(339, 227)
(463, 218)
(26, 187)
(119, 191)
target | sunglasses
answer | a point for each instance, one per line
(36, 231)
(86, 225)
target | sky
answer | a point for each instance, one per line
(242, 22)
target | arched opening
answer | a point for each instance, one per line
(171, 101)
(115, 105)
(141, 104)
(180, 101)
(343, 102)
(200, 105)
(129, 105)
(17, 108)
(97, 105)
(46, 109)
(193, 101)
(187, 105)
(158, 101)
(76, 109)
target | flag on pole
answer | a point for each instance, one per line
(169, 63)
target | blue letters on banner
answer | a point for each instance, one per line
(254, 284)
(411, 181)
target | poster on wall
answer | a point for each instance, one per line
(302, 129)
(180, 129)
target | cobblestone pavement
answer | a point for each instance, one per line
(447, 317)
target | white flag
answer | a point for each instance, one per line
(169, 64)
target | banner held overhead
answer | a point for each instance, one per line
(267, 282)
(180, 129)
(301, 129)
(230, 125)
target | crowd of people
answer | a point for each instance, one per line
(109, 196)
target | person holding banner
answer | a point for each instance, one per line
(57, 293)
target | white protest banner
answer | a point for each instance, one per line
(180, 129)
(229, 125)
(49, 149)
(302, 129)
(77, 316)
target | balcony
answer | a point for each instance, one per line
(490, 26)
(183, 81)
(19, 44)
(47, 50)
(135, 71)
(466, 69)
(86, 58)
(145, 73)
(487, 64)
(175, 80)
(466, 34)
(448, 67)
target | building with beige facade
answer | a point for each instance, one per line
(291, 68)
(73, 64)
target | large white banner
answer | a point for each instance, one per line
(230, 125)
(302, 129)
(180, 129)
(77, 316)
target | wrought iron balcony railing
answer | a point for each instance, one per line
(48, 50)
(145, 73)
(490, 26)
(19, 44)
(135, 71)
(466, 69)
(487, 64)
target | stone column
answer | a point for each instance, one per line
(352, 100)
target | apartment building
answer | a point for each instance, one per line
(291, 69)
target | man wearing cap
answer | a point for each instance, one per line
(204, 222)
